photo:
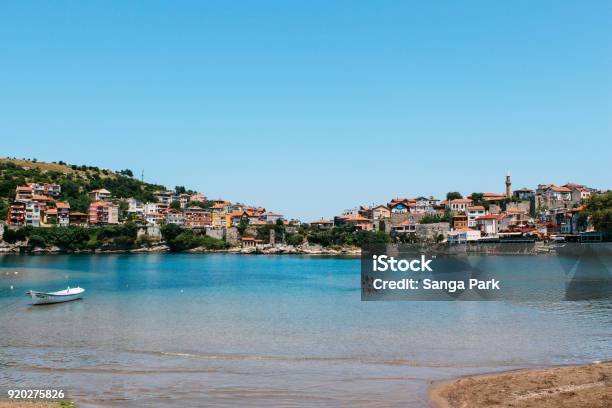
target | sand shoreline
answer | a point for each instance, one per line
(587, 385)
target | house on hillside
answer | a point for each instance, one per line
(103, 213)
(100, 194)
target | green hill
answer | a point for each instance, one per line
(75, 181)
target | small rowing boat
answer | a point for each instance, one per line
(43, 298)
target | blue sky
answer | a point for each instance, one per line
(310, 108)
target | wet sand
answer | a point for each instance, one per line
(586, 386)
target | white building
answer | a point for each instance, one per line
(175, 217)
(153, 218)
(153, 208)
(272, 217)
(33, 210)
(492, 224)
(463, 236)
(474, 212)
(425, 205)
(135, 206)
(458, 204)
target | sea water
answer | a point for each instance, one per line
(189, 330)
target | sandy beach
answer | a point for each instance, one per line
(35, 404)
(570, 386)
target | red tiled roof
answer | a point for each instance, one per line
(491, 217)
(41, 197)
(62, 205)
(476, 207)
(24, 188)
(250, 239)
(560, 189)
(357, 218)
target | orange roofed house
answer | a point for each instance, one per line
(78, 218)
(322, 224)
(458, 205)
(357, 221)
(63, 213)
(103, 213)
(197, 217)
(249, 242)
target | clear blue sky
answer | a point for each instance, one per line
(309, 108)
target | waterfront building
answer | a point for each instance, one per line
(463, 236)
(197, 217)
(492, 224)
(63, 213)
(460, 221)
(103, 213)
(17, 214)
(250, 242)
(474, 212)
(33, 213)
(221, 219)
(78, 218)
(174, 217)
(50, 217)
(152, 219)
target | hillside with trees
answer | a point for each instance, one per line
(75, 182)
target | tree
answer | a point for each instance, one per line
(175, 205)
(127, 173)
(453, 195)
(294, 239)
(171, 231)
(599, 211)
(476, 197)
(180, 189)
(3, 209)
(242, 225)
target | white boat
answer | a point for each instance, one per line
(43, 298)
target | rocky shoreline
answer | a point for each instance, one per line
(304, 249)
(537, 248)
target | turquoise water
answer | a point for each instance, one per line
(232, 330)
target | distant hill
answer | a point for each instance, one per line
(60, 167)
(75, 181)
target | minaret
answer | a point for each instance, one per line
(508, 186)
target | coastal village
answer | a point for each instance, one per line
(546, 212)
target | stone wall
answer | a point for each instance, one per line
(429, 232)
(218, 233)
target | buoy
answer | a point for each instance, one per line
(181, 290)
(12, 287)
(16, 273)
